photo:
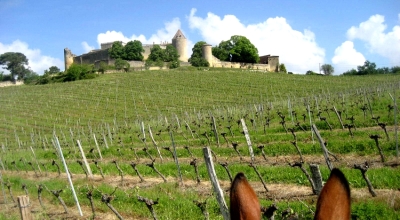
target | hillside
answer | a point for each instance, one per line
(151, 95)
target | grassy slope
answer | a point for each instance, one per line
(155, 94)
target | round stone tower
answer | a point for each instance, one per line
(180, 43)
(207, 53)
(68, 58)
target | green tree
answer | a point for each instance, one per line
(282, 68)
(222, 51)
(350, 72)
(197, 55)
(102, 67)
(117, 50)
(76, 72)
(121, 64)
(310, 72)
(327, 69)
(133, 51)
(156, 57)
(15, 63)
(31, 77)
(395, 69)
(52, 70)
(170, 54)
(239, 47)
(156, 54)
(367, 69)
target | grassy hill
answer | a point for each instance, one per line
(153, 95)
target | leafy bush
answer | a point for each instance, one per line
(196, 59)
(173, 64)
(121, 64)
(282, 68)
(102, 67)
(6, 77)
(77, 72)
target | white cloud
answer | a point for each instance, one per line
(347, 58)
(372, 32)
(87, 47)
(37, 62)
(297, 50)
(162, 35)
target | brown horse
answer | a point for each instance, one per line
(333, 201)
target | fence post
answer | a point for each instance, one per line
(97, 145)
(24, 207)
(58, 147)
(246, 134)
(324, 150)
(214, 180)
(84, 160)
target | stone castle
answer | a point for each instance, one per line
(179, 41)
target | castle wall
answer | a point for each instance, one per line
(267, 62)
(252, 66)
(274, 63)
(92, 57)
(68, 58)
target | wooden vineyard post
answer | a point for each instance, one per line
(176, 157)
(309, 116)
(190, 130)
(322, 143)
(395, 108)
(68, 174)
(317, 178)
(246, 134)
(155, 144)
(2, 188)
(24, 208)
(214, 125)
(34, 156)
(105, 141)
(97, 146)
(340, 118)
(84, 160)
(214, 181)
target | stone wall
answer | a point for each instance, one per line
(253, 66)
(10, 83)
(92, 57)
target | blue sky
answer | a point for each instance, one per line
(303, 33)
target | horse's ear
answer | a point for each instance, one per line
(244, 203)
(334, 200)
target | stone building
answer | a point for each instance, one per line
(179, 41)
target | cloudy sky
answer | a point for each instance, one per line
(305, 34)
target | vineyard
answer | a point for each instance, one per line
(136, 144)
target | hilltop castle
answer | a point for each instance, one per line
(179, 41)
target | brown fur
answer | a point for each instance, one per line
(244, 203)
(333, 202)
